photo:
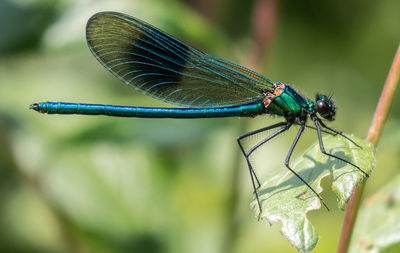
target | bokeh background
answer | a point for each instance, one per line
(101, 184)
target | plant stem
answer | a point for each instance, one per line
(374, 133)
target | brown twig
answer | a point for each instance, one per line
(374, 133)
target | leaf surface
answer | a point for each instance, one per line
(286, 199)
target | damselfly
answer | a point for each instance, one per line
(169, 70)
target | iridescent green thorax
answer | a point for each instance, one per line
(311, 107)
(287, 102)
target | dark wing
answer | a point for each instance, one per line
(167, 69)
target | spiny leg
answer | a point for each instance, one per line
(322, 148)
(251, 150)
(252, 172)
(287, 161)
(286, 127)
(331, 132)
(248, 153)
(337, 132)
(324, 131)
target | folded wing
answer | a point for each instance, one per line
(167, 69)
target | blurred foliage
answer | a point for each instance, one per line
(378, 224)
(98, 184)
(22, 25)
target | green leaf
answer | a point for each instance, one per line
(378, 224)
(286, 199)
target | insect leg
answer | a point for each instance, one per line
(287, 161)
(239, 138)
(337, 132)
(321, 146)
(287, 125)
(313, 127)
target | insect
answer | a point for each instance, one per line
(167, 69)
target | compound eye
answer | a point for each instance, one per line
(323, 108)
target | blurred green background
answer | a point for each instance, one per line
(100, 184)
